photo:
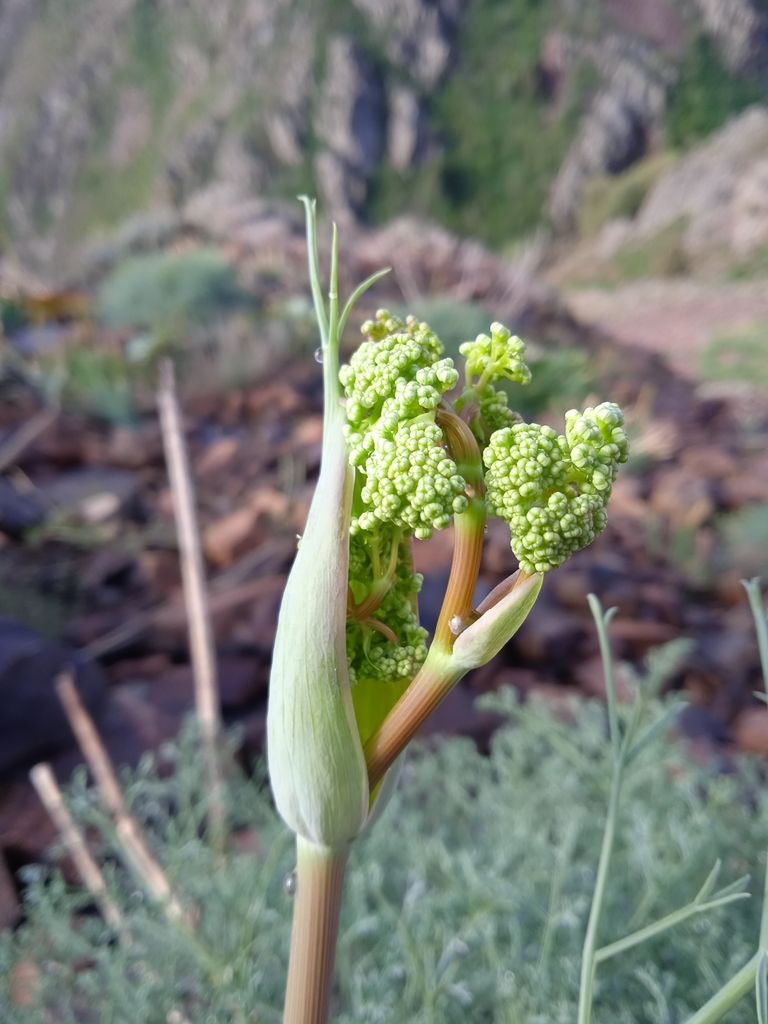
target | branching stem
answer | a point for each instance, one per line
(438, 676)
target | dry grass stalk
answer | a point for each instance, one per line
(26, 434)
(192, 572)
(50, 794)
(144, 865)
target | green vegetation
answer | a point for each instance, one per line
(739, 356)
(560, 376)
(706, 95)
(753, 266)
(498, 126)
(468, 902)
(608, 198)
(662, 255)
(162, 291)
(503, 140)
(744, 537)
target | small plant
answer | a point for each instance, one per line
(472, 908)
(738, 356)
(166, 291)
(353, 676)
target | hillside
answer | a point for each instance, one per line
(488, 117)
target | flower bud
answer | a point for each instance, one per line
(501, 615)
(316, 764)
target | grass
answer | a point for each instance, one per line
(468, 902)
(706, 95)
(738, 356)
(620, 196)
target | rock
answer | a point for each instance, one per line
(718, 190)
(551, 635)
(241, 684)
(406, 129)
(217, 456)
(615, 131)
(93, 494)
(9, 900)
(350, 127)
(24, 983)
(131, 129)
(134, 447)
(740, 30)
(457, 716)
(750, 731)
(683, 497)
(590, 677)
(416, 34)
(19, 512)
(232, 535)
(33, 724)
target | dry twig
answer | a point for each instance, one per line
(144, 865)
(192, 573)
(50, 794)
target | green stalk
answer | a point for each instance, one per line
(744, 981)
(729, 995)
(619, 752)
(315, 927)
(755, 596)
(588, 960)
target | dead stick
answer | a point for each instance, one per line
(201, 641)
(28, 432)
(144, 865)
(52, 799)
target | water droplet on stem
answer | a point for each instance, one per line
(457, 624)
(290, 883)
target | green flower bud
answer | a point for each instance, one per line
(501, 615)
(316, 763)
(502, 355)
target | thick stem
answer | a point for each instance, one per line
(319, 883)
(433, 682)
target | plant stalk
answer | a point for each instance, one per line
(315, 927)
(432, 683)
(740, 985)
(437, 676)
(588, 960)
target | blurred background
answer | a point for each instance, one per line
(592, 172)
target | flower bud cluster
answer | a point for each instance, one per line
(396, 651)
(553, 489)
(500, 356)
(393, 385)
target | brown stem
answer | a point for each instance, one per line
(432, 683)
(469, 528)
(319, 883)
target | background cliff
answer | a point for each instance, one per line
(490, 117)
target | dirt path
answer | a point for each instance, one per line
(675, 318)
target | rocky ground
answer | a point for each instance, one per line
(676, 319)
